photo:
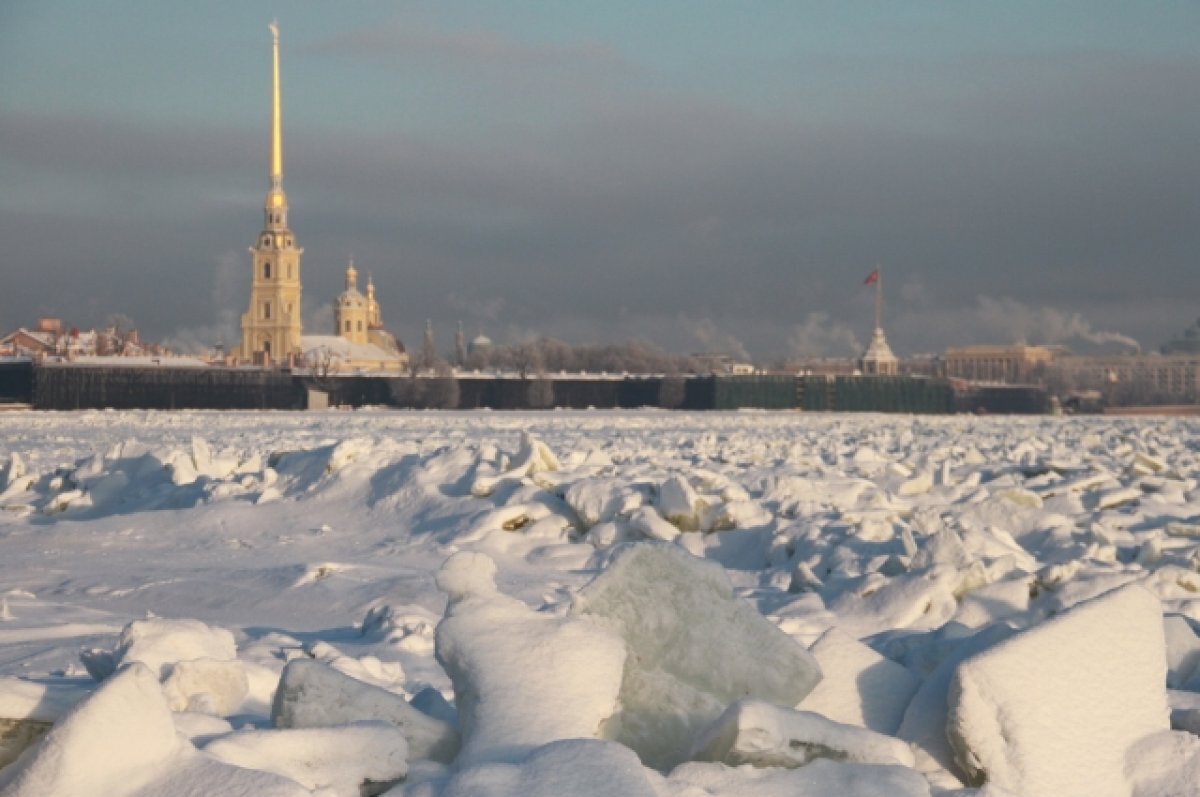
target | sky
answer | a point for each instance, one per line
(708, 176)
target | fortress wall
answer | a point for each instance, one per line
(74, 387)
(16, 382)
(71, 387)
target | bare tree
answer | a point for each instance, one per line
(429, 356)
(540, 395)
(460, 346)
(437, 392)
(441, 390)
(527, 357)
(550, 355)
(324, 364)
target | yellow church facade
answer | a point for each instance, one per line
(361, 344)
(272, 331)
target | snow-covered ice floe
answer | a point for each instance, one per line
(598, 603)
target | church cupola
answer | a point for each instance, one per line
(350, 312)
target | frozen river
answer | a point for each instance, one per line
(901, 537)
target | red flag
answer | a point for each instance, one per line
(872, 278)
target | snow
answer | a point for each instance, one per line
(28, 710)
(521, 678)
(160, 644)
(576, 767)
(765, 735)
(132, 361)
(194, 774)
(1055, 709)
(315, 346)
(679, 504)
(1164, 763)
(210, 686)
(532, 458)
(336, 760)
(1183, 650)
(859, 687)
(601, 500)
(486, 574)
(652, 525)
(37, 701)
(819, 779)
(114, 741)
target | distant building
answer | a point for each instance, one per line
(878, 359)
(1131, 378)
(479, 344)
(1121, 379)
(40, 341)
(334, 354)
(49, 326)
(823, 366)
(1012, 365)
(365, 345)
(351, 313)
(50, 338)
(721, 363)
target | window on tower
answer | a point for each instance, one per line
(266, 271)
(267, 310)
(347, 325)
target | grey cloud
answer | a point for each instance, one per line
(317, 316)
(820, 336)
(90, 147)
(228, 293)
(638, 212)
(229, 282)
(1019, 322)
(202, 339)
(478, 46)
(1007, 320)
(712, 338)
(481, 309)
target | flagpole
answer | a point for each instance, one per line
(879, 298)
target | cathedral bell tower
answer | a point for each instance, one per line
(271, 327)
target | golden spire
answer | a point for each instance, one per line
(276, 126)
(351, 276)
(276, 205)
